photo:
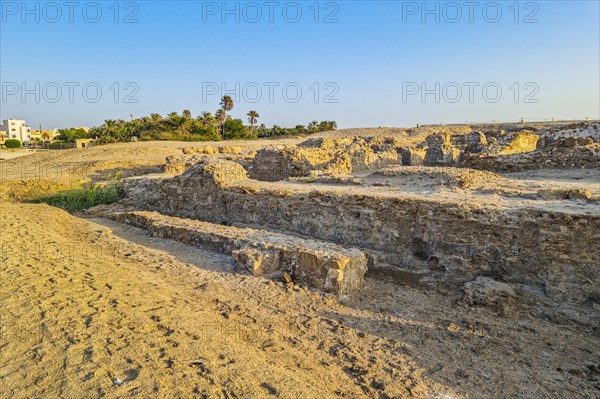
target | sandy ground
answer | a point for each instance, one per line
(12, 154)
(89, 314)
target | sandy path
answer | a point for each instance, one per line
(83, 308)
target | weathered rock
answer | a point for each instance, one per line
(576, 146)
(440, 151)
(521, 143)
(552, 194)
(579, 194)
(207, 149)
(230, 150)
(484, 291)
(475, 142)
(286, 278)
(583, 141)
(570, 142)
(178, 164)
(218, 171)
(552, 155)
(256, 261)
(274, 164)
(412, 156)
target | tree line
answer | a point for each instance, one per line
(184, 127)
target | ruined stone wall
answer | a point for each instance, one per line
(567, 153)
(319, 264)
(440, 151)
(555, 250)
(326, 156)
(274, 164)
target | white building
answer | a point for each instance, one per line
(16, 129)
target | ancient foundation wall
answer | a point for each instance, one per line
(558, 251)
(557, 156)
(555, 250)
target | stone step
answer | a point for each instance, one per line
(319, 264)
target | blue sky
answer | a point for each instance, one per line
(368, 61)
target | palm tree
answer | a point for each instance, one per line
(173, 114)
(300, 129)
(135, 127)
(205, 118)
(327, 125)
(226, 105)
(186, 114)
(155, 117)
(252, 118)
(110, 124)
(45, 135)
(182, 124)
(313, 127)
(221, 116)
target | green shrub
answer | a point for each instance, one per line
(70, 135)
(235, 130)
(83, 198)
(12, 143)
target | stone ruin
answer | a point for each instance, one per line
(252, 207)
(322, 265)
(325, 156)
(487, 150)
(570, 152)
(440, 151)
(498, 150)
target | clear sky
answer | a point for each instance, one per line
(360, 63)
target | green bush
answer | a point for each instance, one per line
(235, 130)
(70, 135)
(83, 198)
(12, 143)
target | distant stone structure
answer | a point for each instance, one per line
(440, 150)
(83, 143)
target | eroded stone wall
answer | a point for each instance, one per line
(325, 156)
(565, 153)
(555, 250)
